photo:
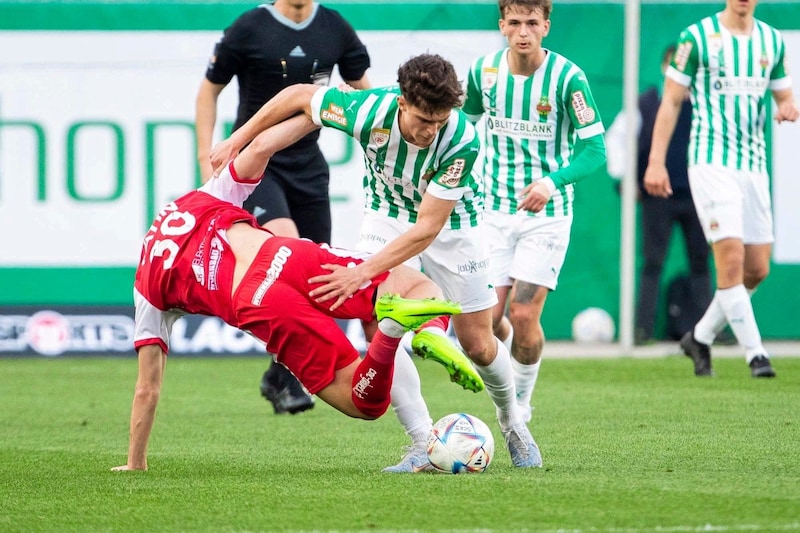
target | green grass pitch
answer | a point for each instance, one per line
(629, 445)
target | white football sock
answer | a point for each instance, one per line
(738, 309)
(711, 323)
(499, 380)
(407, 401)
(524, 382)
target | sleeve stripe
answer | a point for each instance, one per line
(147, 342)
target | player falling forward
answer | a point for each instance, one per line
(204, 254)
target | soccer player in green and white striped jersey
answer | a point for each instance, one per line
(727, 62)
(537, 106)
(423, 209)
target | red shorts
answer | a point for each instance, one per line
(272, 303)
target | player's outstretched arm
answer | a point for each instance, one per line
(341, 283)
(293, 100)
(152, 360)
(252, 162)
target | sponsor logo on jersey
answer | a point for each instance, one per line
(472, 267)
(452, 176)
(379, 137)
(273, 273)
(297, 52)
(539, 131)
(198, 265)
(373, 237)
(214, 260)
(543, 107)
(741, 85)
(682, 55)
(488, 77)
(583, 112)
(335, 114)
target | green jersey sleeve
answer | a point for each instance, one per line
(460, 155)
(581, 107)
(333, 108)
(686, 60)
(473, 104)
(779, 71)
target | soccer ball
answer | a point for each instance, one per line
(460, 443)
(593, 325)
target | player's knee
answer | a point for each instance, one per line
(523, 316)
(481, 350)
(754, 276)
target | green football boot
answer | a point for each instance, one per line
(411, 314)
(429, 345)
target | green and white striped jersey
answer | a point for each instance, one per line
(728, 77)
(398, 172)
(532, 123)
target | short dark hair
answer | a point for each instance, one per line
(546, 6)
(429, 82)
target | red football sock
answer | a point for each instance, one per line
(439, 322)
(372, 381)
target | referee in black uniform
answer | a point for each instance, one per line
(266, 49)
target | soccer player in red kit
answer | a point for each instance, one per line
(204, 254)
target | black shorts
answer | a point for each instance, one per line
(295, 188)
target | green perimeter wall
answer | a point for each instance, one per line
(591, 34)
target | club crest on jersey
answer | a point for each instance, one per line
(764, 61)
(543, 107)
(488, 77)
(583, 112)
(682, 55)
(334, 114)
(452, 176)
(379, 137)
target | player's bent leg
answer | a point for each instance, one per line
(339, 393)
(429, 345)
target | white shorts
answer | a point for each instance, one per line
(457, 260)
(526, 248)
(732, 204)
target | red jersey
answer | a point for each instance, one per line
(186, 262)
(187, 266)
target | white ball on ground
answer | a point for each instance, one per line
(593, 325)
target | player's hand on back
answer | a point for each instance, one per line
(339, 285)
